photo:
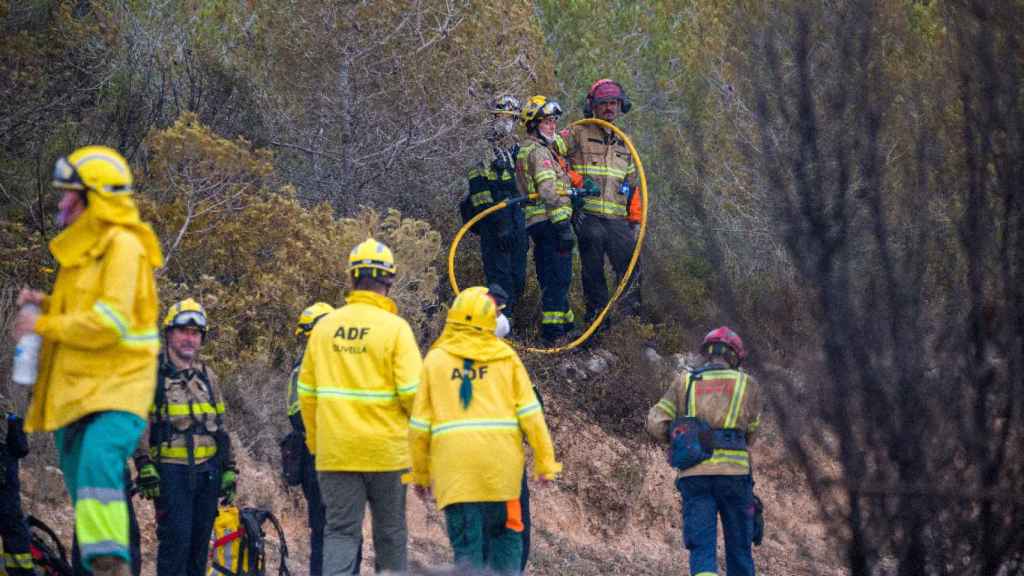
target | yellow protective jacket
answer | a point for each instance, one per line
(356, 386)
(539, 172)
(724, 398)
(599, 154)
(99, 326)
(475, 453)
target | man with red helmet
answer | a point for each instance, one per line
(729, 401)
(606, 226)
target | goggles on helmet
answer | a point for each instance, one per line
(506, 105)
(66, 176)
(550, 108)
(190, 317)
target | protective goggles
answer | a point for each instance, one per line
(506, 105)
(550, 108)
(65, 175)
(367, 263)
(190, 317)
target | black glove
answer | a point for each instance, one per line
(148, 478)
(566, 239)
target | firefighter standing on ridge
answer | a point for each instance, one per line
(538, 171)
(97, 368)
(729, 400)
(356, 385)
(473, 408)
(187, 463)
(17, 560)
(608, 222)
(503, 240)
(310, 486)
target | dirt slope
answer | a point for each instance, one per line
(614, 511)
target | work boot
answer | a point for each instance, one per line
(110, 566)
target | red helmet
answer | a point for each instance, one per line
(725, 335)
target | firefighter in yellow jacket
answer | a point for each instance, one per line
(540, 173)
(97, 369)
(474, 405)
(729, 401)
(356, 386)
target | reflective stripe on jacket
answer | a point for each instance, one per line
(292, 394)
(492, 180)
(356, 386)
(99, 329)
(725, 399)
(475, 453)
(538, 172)
(599, 154)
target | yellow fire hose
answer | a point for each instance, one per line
(632, 261)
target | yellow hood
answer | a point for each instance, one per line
(468, 342)
(92, 227)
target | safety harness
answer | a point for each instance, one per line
(163, 431)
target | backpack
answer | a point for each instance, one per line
(239, 547)
(691, 438)
(48, 553)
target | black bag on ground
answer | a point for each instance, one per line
(293, 452)
(48, 553)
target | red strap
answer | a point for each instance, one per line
(228, 538)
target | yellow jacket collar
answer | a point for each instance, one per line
(373, 299)
(89, 234)
(469, 342)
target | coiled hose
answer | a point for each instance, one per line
(596, 323)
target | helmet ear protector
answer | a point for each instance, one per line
(724, 350)
(588, 103)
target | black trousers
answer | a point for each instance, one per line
(612, 238)
(506, 268)
(13, 527)
(554, 274)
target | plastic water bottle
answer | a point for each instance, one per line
(26, 355)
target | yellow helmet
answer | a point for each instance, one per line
(474, 307)
(95, 169)
(311, 315)
(185, 313)
(373, 256)
(538, 108)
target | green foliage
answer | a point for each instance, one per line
(255, 256)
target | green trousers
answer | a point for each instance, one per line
(486, 535)
(92, 453)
